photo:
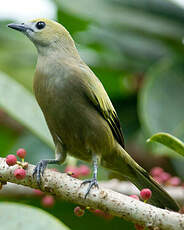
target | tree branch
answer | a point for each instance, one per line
(123, 187)
(68, 188)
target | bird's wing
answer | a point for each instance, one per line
(102, 103)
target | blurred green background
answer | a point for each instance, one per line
(135, 48)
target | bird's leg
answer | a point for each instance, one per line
(60, 156)
(93, 181)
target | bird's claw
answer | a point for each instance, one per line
(39, 170)
(92, 182)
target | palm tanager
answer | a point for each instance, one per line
(78, 111)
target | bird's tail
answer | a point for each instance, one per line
(160, 197)
(122, 163)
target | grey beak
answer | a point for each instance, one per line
(20, 27)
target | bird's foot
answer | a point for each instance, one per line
(92, 182)
(39, 170)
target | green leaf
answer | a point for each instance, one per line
(161, 99)
(110, 13)
(21, 104)
(123, 16)
(169, 141)
(20, 217)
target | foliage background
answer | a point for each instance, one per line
(135, 48)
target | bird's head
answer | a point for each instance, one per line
(45, 34)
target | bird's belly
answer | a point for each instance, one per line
(82, 130)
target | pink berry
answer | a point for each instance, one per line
(11, 160)
(73, 171)
(174, 181)
(145, 194)
(84, 170)
(156, 171)
(48, 201)
(78, 211)
(165, 177)
(38, 192)
(21, 153)
(98, 212)
(20, 174)
(135, 197)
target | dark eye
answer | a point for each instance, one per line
(40, 25)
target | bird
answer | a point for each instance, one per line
(79, 113)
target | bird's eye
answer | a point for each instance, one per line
(40, 25)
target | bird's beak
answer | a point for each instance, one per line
(20, 27)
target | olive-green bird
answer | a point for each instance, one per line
(78, 111)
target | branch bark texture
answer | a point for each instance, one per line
(69, 188)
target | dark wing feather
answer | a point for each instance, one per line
(100, 100)
(108, 112)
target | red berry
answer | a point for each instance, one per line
(38, 192)
(11, 160)
(78, 211)
(145, 194)
(156, 171)
(21, 153)
(48, 201)
(174, 181)
(20, 174)
(135, 197)
(73, 171)
(165, 177)
(84, 170)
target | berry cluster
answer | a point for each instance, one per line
(11, 160)
(79, 211)
(77, 172)
(164, 178)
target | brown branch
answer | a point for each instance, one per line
(68, 188)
